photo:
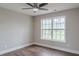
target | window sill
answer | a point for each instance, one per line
(64, 42)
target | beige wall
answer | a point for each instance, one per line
(15, 29)
(72, 29)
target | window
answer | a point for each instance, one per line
(53, 29)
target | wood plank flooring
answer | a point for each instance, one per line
(36, 50)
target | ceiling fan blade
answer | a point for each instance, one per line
(26, 8)
(30, 4)
(43, 4)
(43, 9)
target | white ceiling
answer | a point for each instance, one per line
(51, 7)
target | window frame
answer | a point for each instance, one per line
(63, 41)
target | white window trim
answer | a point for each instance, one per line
(56, 29)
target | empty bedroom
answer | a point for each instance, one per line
(39, 29)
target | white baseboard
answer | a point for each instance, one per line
(59, 48)
(15, 48)
(55, 47)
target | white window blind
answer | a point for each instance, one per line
(53, 29)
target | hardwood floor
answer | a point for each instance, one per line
(36, 50)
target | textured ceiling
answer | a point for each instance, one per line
(51, 7)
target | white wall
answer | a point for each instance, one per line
(72, 29)
(15, 29)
